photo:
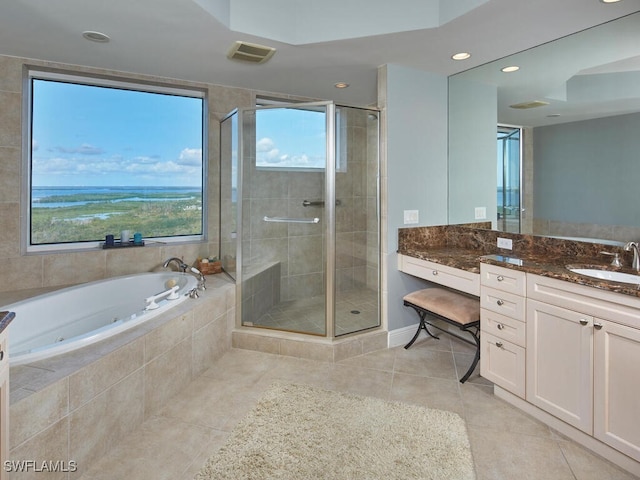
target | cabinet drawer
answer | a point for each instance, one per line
(503, 327)
(503, 303)
(617, 307)
(503, 363)
(505, 279)
(455, 278)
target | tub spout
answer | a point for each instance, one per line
(181, 265)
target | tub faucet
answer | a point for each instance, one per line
(181, 265)
(636, 255)
(201, 278)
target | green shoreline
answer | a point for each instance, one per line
(172, 214)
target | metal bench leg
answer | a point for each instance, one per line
(423, 326)
(476, 337)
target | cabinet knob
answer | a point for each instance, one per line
(500, 278)
(499, 344)
(583, 321)
(435, 272)
(500, 302)
(1, 355)
(597, 326)
(500, 326)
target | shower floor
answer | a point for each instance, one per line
(355, 310)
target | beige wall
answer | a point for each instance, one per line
(20, 271)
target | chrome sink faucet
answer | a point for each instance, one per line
(636, 255)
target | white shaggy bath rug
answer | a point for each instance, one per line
(298, 432)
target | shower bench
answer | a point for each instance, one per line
(453, 308)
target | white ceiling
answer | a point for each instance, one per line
(592, 74)
(188, 39)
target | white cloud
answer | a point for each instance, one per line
(264, 145)
(190, 156)
(268, 155)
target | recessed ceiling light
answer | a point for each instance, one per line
(96, 36)
(341, 85)
(609, 1)
(509, 69)
(461, 56)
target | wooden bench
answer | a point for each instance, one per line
(453, 308)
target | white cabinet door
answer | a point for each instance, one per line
(502, 363)
(617, 390)
(559, 366)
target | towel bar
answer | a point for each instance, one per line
(291, 220)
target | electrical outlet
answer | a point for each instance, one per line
(410, 217)
(481, 213)
(505, 243)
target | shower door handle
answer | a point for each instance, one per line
(291, 220)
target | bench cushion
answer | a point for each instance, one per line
(455, 306)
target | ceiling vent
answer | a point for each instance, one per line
(525, 105)
(250, 52)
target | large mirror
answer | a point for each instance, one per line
(574, 107)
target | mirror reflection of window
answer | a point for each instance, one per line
(509, 178)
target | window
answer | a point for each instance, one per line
(509, 167)
(291, 139)
(108, 156)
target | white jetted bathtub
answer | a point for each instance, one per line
(71, 318)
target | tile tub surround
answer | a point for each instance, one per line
(464, 247)
(78, 406)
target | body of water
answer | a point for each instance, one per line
(44, 197)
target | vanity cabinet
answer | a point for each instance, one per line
(616, 387)
(441, 274)
(560, 363)
(502, 327)
(582, 355)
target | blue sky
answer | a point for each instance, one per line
(97, 136)
(290, 138)
(88, 136)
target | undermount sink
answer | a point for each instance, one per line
(607, 275)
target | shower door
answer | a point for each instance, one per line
(307, 228)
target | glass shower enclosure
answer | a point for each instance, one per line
(299, 219)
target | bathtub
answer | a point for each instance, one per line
(71, 318)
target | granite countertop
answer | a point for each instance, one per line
(556, 267)
(5, 320)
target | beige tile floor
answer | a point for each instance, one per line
(506, 443)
